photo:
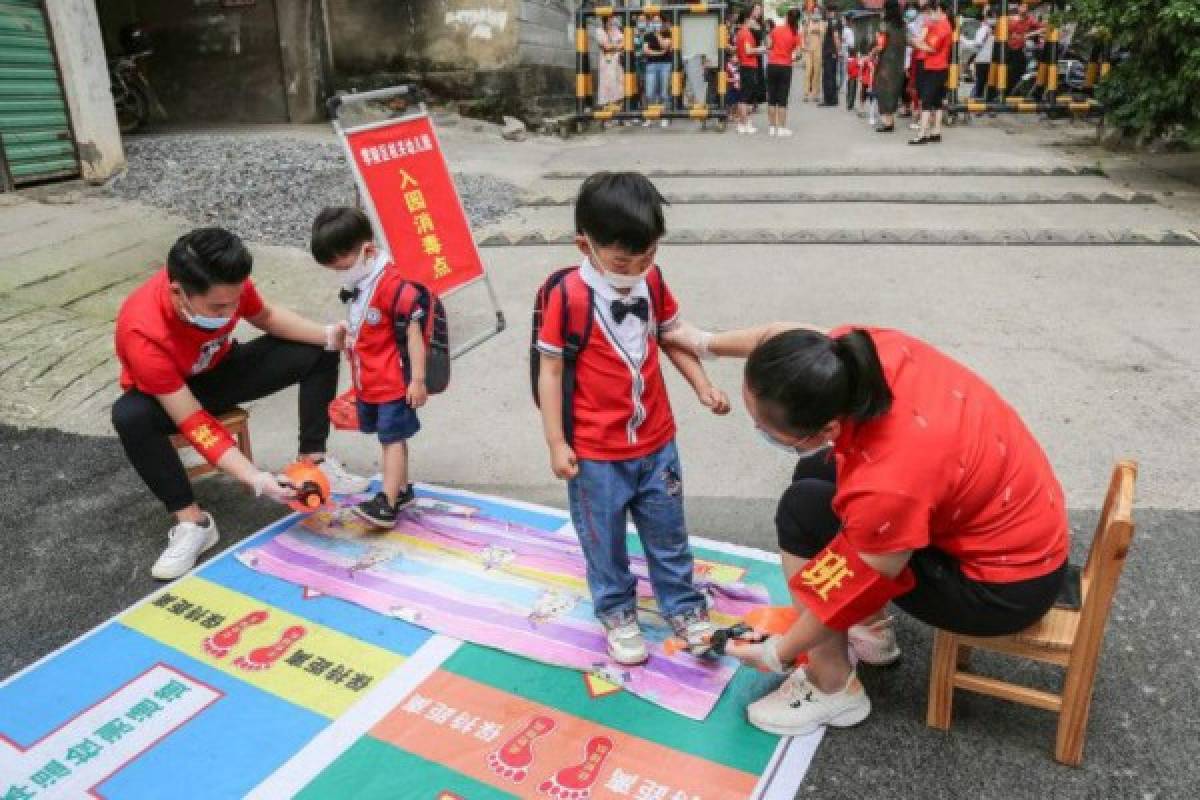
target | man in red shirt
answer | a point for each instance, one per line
(918, 484)
(181, 367)
(1020, 27)
(936, 45)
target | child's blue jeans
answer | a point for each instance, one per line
(650, 489)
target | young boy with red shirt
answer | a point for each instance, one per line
(389, 375)
(616, 448)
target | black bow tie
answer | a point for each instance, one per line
(639, 307)
(348, 295)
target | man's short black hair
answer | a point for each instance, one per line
(339, 230)
(208, 257)
(620, 208)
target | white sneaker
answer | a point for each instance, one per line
(797, 707)
(751, 129)
(914, 126)
(666, 123)
(741, 128)
(342, 480)
(875, 644)
(185, 543)
(771, 131)
(784, 132)
(694, 628)
(626, 645)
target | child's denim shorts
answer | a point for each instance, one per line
(392, 422)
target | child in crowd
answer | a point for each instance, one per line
(867, 76)
(389, 374)
(853, 68)
(613, 439)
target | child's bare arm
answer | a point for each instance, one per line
(692, 370)
(550, 400)
(417, 394)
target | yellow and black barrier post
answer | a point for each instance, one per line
(673, 14)
(954, 76)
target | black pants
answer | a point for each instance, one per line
(829, 76)
(779, 85)
(250, 371)
(944, 597)
(981, 91)
(1016, 61)
(851, 92)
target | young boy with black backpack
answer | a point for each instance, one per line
(605, 412)
(396, 357)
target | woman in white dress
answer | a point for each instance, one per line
(610, 87)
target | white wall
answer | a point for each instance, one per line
(81, 58)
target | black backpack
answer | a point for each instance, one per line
(436, 331)
(577, 317)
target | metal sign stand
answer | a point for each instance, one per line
(390, 106)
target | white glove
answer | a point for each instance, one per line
(264, 483)
(694, 339)
(770, 656)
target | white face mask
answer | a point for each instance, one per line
(615, 279)
(361, 269)
(787, 448)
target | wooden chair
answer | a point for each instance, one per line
(237, 422)
(1070, 639)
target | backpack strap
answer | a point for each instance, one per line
(658, 297)
(400, 323)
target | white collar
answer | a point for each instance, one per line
(382, 259)
(595, 279)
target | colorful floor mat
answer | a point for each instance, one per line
(233, 682)
(457, 571)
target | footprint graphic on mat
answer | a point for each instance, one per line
(515, 756)
(263, 657)
(220, 643)
(575, 783)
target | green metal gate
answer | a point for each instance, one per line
(35, 128)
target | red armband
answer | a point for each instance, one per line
(841, 589)
(207, 435)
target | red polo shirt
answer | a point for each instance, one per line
(376, 366)
(940, 36)
(950, 466)
(745, 47)
(784, 42)
(621, 409)
(159, 351)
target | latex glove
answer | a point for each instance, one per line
(264, 483)
(763, 656)
(691, 338)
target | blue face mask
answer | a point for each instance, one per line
(205, 323)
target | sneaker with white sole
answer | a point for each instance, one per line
(342, 480)
(695, 628)
(875, 644)
(783, 133)
(186, 542)
(798, 708)
(626, 644)
(771, 131)
(750, 128)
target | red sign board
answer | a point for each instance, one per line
(409, 187)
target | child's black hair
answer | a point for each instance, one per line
(620, 208)
(339, 230)
(208, 257)
(807, 379)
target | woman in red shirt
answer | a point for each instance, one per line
(937, 44)
(781, 56)
(918, 484)
(749, 70)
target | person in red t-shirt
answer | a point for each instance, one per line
(181, 367)
(918, 484)
(937, 44)
(389, 382)
(621, 459)
(785, 40)
(749, 54)
(1021, 27)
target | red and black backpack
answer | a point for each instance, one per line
(435, 329)
(577, 317)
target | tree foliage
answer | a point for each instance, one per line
(1156, 89)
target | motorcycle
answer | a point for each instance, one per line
(133, 98)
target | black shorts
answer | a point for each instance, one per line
(751, 88)
(944, 597)
(931, 88)
(779, 84)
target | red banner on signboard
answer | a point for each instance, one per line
(405, 176)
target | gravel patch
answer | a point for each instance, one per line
(265, 189)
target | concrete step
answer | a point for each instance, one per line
(849, 169)
(731, 196)
(766, 222)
